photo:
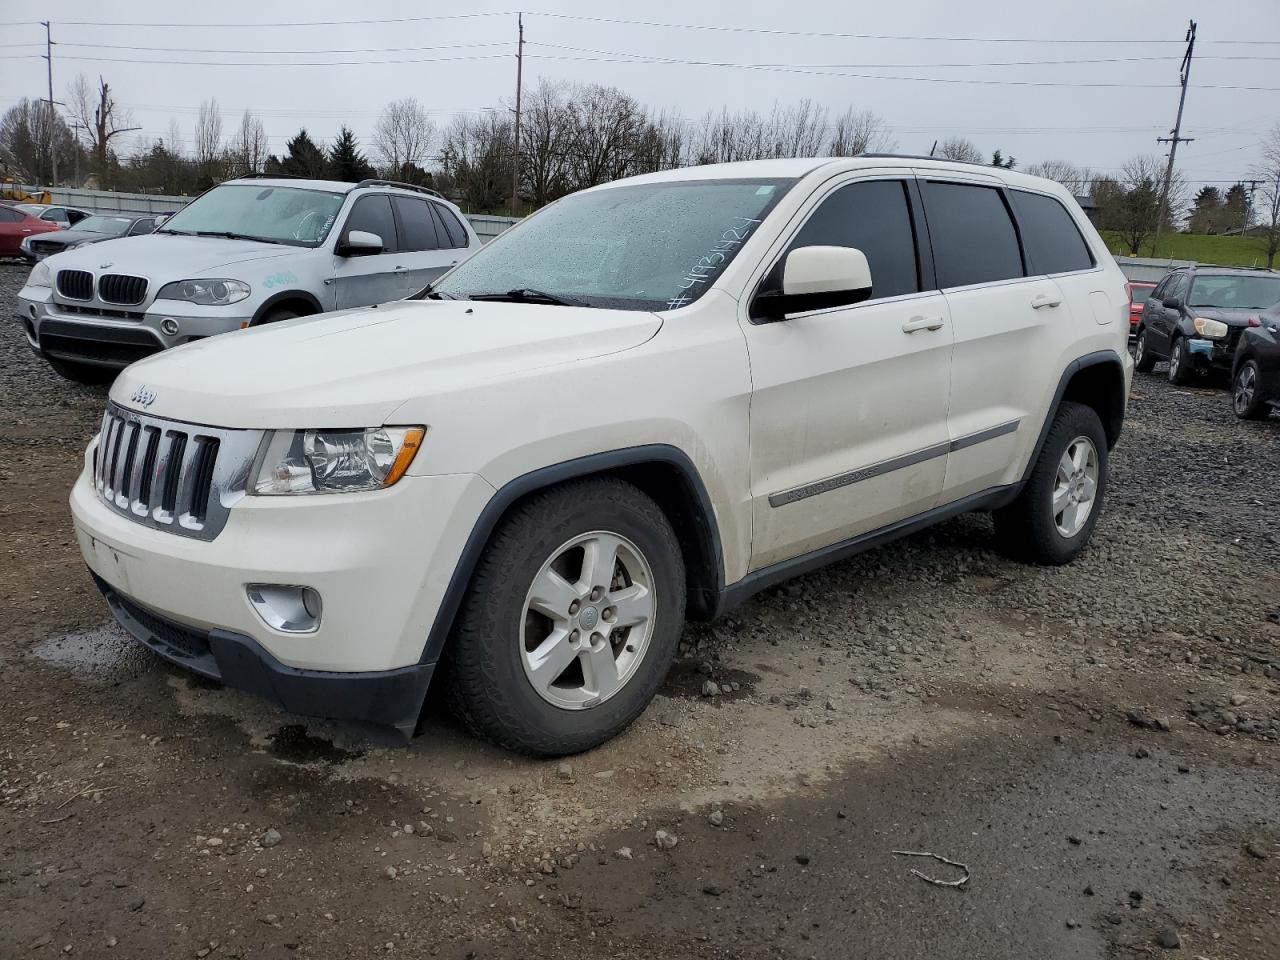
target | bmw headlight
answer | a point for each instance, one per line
(335, 461)
(1210, 328)
(208, 293)
(41, 276)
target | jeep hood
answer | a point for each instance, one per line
(354, 368)
(163, 257)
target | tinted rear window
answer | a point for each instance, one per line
(452, 227)
(973, 238)
(417, 227)
(1049, 234)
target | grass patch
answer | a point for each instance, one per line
(1203, 248)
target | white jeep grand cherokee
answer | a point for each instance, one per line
(648, 401)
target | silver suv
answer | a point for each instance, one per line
(248, 252)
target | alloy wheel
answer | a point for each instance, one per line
(1246, 386)
(588, 619)
(1075, 487)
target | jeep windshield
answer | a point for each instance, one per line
(652, 246)
(1234, 292)
(291, 215)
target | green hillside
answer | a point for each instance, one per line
(1229, 251)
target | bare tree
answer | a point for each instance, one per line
(958, 148)
(607, 127)
(31, 133)
(176, 145)
(102, 118)
(1130, 204)
(476, 157)
(1074, 178)
(547, 131)
(208, 141)
(403, 135)
(1268, 173)
(859, 131)
(248, 149)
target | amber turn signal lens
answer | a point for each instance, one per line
(408, 450)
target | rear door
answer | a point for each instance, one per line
(424, 253)
(362, 279)
(849, 404)
(12, 233)
(1162, 320)
(1003, 323)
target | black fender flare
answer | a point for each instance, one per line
(1097, 358)
(277, 298)
(548, 476)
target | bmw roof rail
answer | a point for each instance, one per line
(377, 182)
(269, 176)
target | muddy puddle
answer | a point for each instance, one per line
(104, 654)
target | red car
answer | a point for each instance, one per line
(15, 226)
(1138, 291)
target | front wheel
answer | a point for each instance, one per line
(571, 620)
(1053, 517)
(1143, 361)
(1180, 370)
(1246, 398)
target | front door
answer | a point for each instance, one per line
(425, 255)
(849, 404)
(360, 280)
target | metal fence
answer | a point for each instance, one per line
(108, 201)
(1148, 270)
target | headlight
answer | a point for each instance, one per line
(336, 461)
(41, 276)
(1210, 328)
(209, 293)
(78, 244)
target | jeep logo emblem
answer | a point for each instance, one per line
(143, 397)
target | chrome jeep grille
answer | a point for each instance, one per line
(170, 475)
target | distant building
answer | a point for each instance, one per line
(1089, 207)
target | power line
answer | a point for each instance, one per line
(268, 63)
(292, 23)
(296, 52)
(723, 28)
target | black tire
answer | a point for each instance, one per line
(486, 683)
(275, 315)
(86, 373)
(1246, 392)
(1026, 529)
(1143, 361)
(1180, 368)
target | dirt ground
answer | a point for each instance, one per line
(1097, 744)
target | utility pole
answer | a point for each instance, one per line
(53, 145)
(77, 127)
(1248, 206)
(1177, 138)
(515, 157)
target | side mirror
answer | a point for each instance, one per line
(1172, 303)
(817, 278)
(359, 243)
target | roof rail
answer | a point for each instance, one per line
(915, 156)
(270, 176)
(376, 182)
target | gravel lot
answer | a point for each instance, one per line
(1096, 743)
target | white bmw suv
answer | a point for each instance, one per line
(248, 252)
(645, 403)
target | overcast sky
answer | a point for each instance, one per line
(472, 65)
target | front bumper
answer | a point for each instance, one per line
(391, 698)
(381, 562)
(113, 336)
(1206, 353)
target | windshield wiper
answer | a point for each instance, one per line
(230, 235)
(176, 233)
(522, 294)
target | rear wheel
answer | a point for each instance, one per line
(86, 373)
(571, 620)
(1246, 398)
(1180, 370)
(1053, 518)
(1143, 361)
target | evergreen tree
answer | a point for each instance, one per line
(304, 158)
(1206, 211)
(346, 162)
(1000, 160)
(1233, 207)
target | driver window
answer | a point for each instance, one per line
(873, 216)
(372, 214)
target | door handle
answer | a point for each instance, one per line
(1045, 300)
(921, 323)
(401, 266)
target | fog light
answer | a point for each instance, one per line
(287, 609)
(169, 326)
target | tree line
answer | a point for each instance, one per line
(572, 136)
